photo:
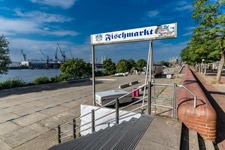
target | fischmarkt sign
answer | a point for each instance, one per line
(140, 34)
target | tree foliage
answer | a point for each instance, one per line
(4, 55)
(209, 15)
(110, 67)
(122, 66)
(131, 64)
(164, 63)
(76, 68)
(141, 63)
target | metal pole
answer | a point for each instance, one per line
(149, 98)
(117, 111)
(59, 134)
(93, 74)
(174, 101)
(74, 128)
(150, 63)
(93, 120)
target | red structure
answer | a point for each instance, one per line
(203, 117)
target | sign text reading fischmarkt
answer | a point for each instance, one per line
(141, 34)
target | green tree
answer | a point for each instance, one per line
(76, 68)
(141, 63)
(164, 63)
(210, 17)
(4, 55)
(110, 67)
(122, 66)
(131, 64)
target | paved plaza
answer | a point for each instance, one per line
(29, 115)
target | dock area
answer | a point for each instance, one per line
(30, 115)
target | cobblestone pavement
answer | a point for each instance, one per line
(29, 116)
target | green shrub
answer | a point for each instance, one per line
(6, 84)
(41, 80)
(15, 82)
(61, 77)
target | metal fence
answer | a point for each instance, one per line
(73, 132)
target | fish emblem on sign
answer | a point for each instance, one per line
(98, 37)
(164, 30)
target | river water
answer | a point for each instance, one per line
(28, 74)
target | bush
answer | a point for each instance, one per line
(61, 77)
(15, 82)
(41, 80)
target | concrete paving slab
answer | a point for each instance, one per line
(24, 121)
(19, 136)
(26, 110)
(42, 142)
(8, 127)
(149, 145)
(4, 146)
(37, 127)
(54, 110)
(164, 131)
(54, 121)
(8, 116)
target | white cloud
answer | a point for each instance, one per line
(18, 26)
(59, 3)
(40, 17)
(186, 7)
(186, 34)
(152, 13)
(62, 33)
(34, 22)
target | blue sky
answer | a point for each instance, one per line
(32, 25)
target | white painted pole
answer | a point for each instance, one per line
(93, 74)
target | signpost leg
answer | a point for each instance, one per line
(93, 74)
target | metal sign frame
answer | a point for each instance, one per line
(156, 35)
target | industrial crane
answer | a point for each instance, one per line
(62, 52)
(56, 57)
(24, 55)
(46, 57)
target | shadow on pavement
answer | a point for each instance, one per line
(43, 87)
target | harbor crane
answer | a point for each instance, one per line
(56, 55)
(46, 57)
(24, 55)
(62, 52)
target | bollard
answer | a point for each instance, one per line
(74, 128)
(93, 120)
(117, 111)
(59, 134)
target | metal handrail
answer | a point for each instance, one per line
(195, 97)
(118, 109)
(107, 103)
(133, 103)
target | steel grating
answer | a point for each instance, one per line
(131, 139)
(110, 142)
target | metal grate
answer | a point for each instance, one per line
(131, 139)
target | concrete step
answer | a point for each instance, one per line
(115, 138)
(193, 140)
(163, 134)
(209, 145)
(132, 137)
